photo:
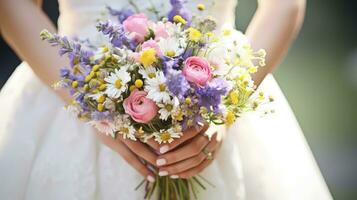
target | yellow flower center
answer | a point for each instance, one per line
(169, 107)
(170, 53)
(118, 84)
(151, 75)
(162, 87)
(148, 57)
(124, 130)
(165, 136)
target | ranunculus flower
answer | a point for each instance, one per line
(152, 44)
(197, 70)
(138, 26)
(140, 108)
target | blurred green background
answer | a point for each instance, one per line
(318, 77)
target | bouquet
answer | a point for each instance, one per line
(157, 78)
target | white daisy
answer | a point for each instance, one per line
(167, 109)
(105, 126)
(127, 131)
(167, 135)
(157, 89)
(148, 72)
(171, 47)
(117, 82)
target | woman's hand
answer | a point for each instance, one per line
(134, 152)
(189, 155)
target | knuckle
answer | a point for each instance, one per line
(195, 149)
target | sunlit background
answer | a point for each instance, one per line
(319, 78)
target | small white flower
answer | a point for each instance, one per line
(96, 96)
(148, 72)
(157, 89)
(117, 82)
(105, 126)
(167, 135)
(127, 131)
(167, 109)
(171, 47)
(74, 109)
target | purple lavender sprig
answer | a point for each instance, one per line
(73, 49)
(116, 34)
(210, 96)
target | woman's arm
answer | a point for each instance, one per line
(273, 28)
(21, 22)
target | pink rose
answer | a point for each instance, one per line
(152, 44)
(137, 25)
(197, 70)
(140, 108)
(160, 30)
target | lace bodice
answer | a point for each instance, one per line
(77, 17)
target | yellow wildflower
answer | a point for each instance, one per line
(194, 35)
(100, 107)
(227, 32)
(179, 19)
(201, 7)
(230, 118)
(102, 87)
(101, 99)
(148, 57)
(234, 98)
(209, 34)
(75, 84)
(139, 83)
(96, 68)
(132, 88)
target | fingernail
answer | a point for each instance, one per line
(151, 179)
(164, 149)
(161, 162)
(163, 173)
(200, 124)
(174, 176)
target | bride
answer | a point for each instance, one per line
(46, 154)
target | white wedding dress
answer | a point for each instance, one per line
(46, 154)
